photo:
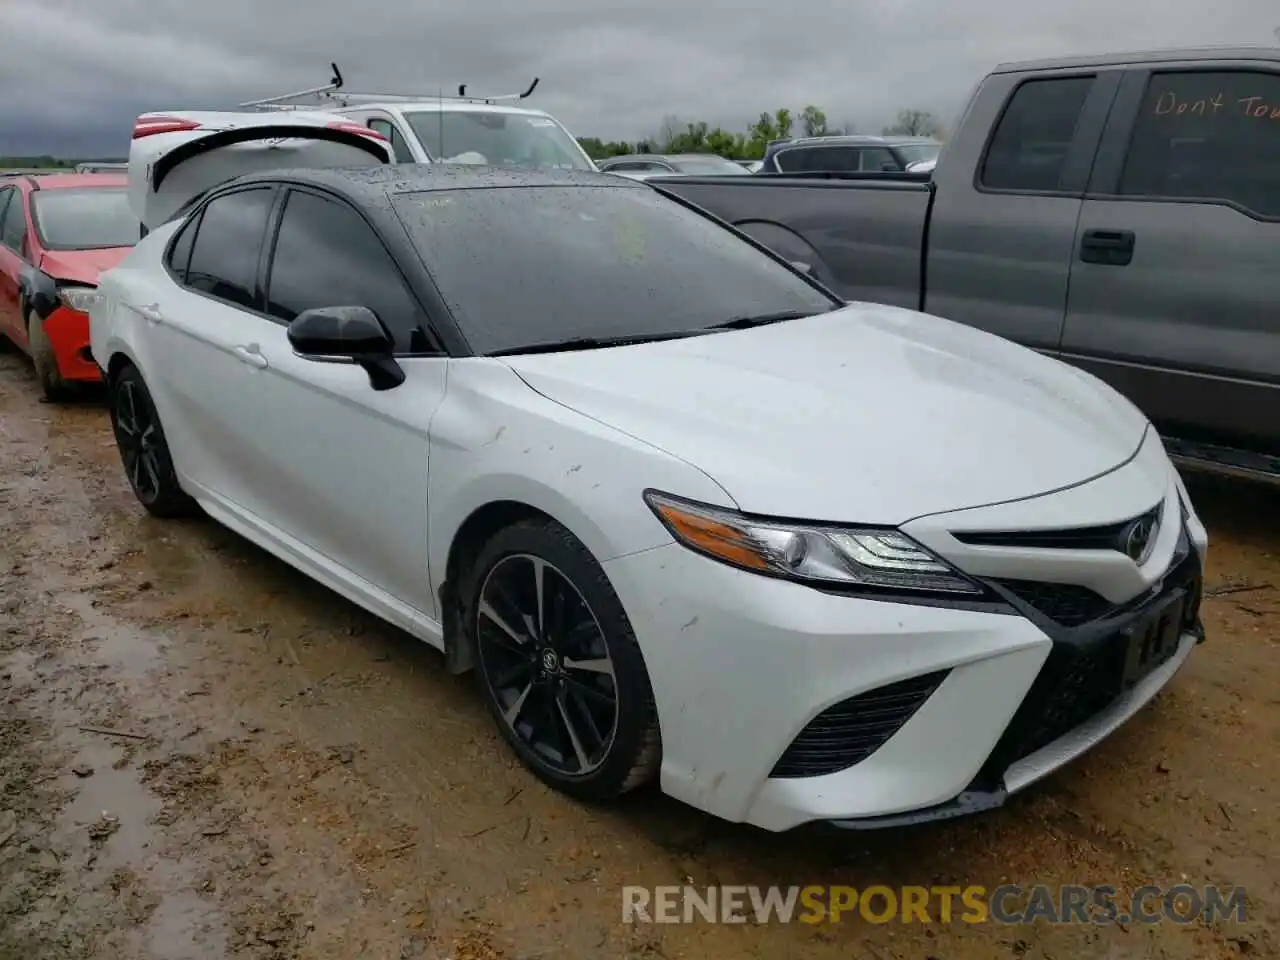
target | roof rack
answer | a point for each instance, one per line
(332, 93)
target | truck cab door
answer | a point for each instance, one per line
(1174, 280)
(1002, 233)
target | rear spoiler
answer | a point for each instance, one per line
(343, 133)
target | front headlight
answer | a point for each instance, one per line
(78, 298)
(821, 555)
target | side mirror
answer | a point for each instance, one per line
(801, 265)
(348, 335)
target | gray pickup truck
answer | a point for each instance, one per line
(1119, 212)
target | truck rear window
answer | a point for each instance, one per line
(1029, 148)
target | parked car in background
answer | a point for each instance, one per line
(448, 129)
(57, 233)
(1118, 212)
(578, 435)
(847, 154)
(672, 164)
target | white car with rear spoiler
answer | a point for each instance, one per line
(176, 156)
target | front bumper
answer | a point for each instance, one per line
(68, 333)
(741, 665)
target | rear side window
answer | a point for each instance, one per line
(326, 255)
(228, 244)
(878, 159)
(180, 252)
(1029, 148)
(1211, 136)
(14, 228)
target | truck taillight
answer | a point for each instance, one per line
(347, 127)
(146, 126)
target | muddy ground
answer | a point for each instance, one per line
(204, 755)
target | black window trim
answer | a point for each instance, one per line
(1085, 138)
(211, 197)
(426, 322)
(1123, 126)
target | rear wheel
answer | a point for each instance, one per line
(52, 386)
(143, 448)
(558, 663)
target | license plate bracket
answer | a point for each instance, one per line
(1153, 641)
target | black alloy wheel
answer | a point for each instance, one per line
(143, 448)
(559, 665)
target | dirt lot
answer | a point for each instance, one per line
(281, 776)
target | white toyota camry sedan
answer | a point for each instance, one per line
(685, 514)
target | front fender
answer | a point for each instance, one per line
(495, 439)
(38, 290)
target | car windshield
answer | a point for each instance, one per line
(531, 265)
(84, 219)
(497, 139)
(915, 152)
(707, 165)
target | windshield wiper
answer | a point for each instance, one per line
(760, 320)
(592, 343)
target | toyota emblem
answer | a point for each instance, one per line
(1138, 538)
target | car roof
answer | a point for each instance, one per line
(364, 183)
(444, 105)
(61, 181)
(1168, 55)
(36, 180)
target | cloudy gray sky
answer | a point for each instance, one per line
(74, 73)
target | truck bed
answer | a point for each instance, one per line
(863, 236)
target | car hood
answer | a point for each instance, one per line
(82, 266)
(868, 414)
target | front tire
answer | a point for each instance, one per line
(558, 663)
(143, 448)
(52, 387)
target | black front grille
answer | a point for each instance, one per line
(1085, 670)
(1102, 537)
(1066, 603)
(1081, 683)
(850, 731)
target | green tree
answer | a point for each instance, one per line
(676, 135)
(813, 121)
(914, 123)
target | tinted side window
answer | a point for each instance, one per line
(14, 228)
(180, 252)
(392, 133)
(878, 159)
(327, 256)
(1210, 136)
(1031, 141)
(825, 159)
(227, 245)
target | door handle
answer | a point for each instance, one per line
(150, 312)
(250, 354)
(1110, 247)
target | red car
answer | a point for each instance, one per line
(58, 232)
